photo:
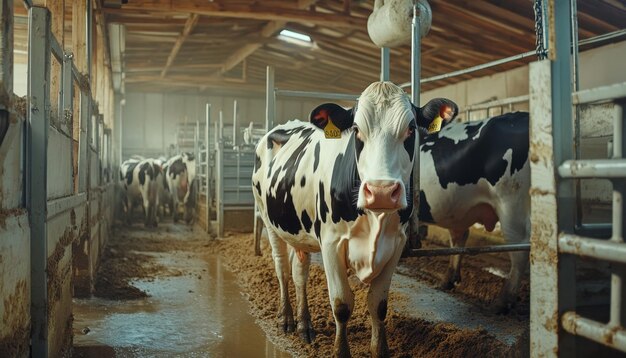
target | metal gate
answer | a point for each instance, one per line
(556, 236)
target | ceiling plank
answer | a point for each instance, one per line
(192, 20)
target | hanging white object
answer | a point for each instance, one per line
(389, 25)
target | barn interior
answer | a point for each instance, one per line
(90, 85)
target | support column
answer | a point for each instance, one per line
(37, 170)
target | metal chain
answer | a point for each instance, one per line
(540, 49)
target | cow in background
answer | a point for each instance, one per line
(139, 181)
(181, 174)
(165, 197)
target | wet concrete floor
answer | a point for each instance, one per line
(198, 312)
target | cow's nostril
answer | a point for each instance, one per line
(395, 194)
(366, 190)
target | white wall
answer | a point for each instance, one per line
(20, 79)
(600, 66)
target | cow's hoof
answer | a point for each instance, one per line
(446, 285)
(306, 332)
(286, 323)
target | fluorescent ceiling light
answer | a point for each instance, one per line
(296, 35)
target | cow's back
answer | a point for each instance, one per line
(474, 163)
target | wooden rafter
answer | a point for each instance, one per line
(192, 20)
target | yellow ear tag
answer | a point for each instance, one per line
(435, 125)
(331, 131)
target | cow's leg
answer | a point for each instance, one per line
(258, 230)
(377, 305)
(281, 264)
(458, 238)
(341, 296)
(300, 262)
(515, 231)
(146, 210)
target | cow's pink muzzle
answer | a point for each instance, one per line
(384, 196)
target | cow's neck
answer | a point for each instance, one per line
(344, 185)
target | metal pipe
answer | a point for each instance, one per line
(89, 32)
(323, 95)
(468, 250)
(593, 168)
(39, 59)
(384, 64)
(270, 99)
(415, 98)
(497, 103)
(593, 248)
(576, 112)
(235, 110)
(614, 337)
(207, 199)
(619, 272)
(600, 94)
(592, 40)
(6, 48)
(57, 49)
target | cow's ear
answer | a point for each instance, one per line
(436, 107)
(340, 117)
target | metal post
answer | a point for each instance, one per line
(84, 140)
(37, 143)
(67, 91)
(196, 138)
(6, 46)
(219, 190)
(415, 98)
(270, 99)
(384, 64)
(207, 178)
(235, 113)
(576, 111)
(89, 32)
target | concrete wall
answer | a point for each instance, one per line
(14, 247)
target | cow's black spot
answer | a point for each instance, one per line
(280, 208)
(316, 162)
(190, 156)
(323, 208)
(257, 162)
(318, 228)
(481, 154)
(409, 143)
(303, 181)
(145, 169)
(282, 136)
(306, 221)
(344, 185)
(382, 310)
(177, 168)
(424, 214)
(156, 171)
(129, 172)
(258, 187)
(342, 312)
(358, 145)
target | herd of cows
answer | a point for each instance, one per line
(159, 187)
(341, 183)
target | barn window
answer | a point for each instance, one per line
(295, 37)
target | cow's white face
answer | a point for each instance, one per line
(384, 129)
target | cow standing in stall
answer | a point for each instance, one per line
(181, 174)
(340, 184)
(139, 180)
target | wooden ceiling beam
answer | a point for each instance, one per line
(254, 12)
(192, 20)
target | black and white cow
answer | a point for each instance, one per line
(478, 172)
(165, 197)
(181, 174)
(139, 180)
(348, 197)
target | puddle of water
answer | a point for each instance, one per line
(194, 315)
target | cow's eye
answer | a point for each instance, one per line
(410, 130)
(357, 133)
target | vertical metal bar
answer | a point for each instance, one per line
(618, 307)
(563, 135)
(89, 34)
(37, 142)
(6, 46)
(196, 139)
(219, 158)
(576, 112)
(270, 99)
(235, 114)
(415, 97)
(384, 64)
(207, 192)
(84, 140)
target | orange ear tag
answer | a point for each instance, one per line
(331, 131)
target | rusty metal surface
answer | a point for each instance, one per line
(468, 250)
(544, 315)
